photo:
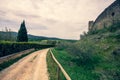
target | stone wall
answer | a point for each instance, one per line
(90, 25)
(109, 16)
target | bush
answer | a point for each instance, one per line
(85, 52)
(114, 27)
(63, 45)
(7, 48)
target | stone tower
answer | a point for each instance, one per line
(90, 25)
(108, 17)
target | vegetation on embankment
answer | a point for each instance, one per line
(53, 68)
(7, 48)
(12, 61)
(95, 57)
(76, 72)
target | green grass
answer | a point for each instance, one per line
(12, 61)
(96, 56)
(104, 65)
(74, 71)
(107, 68)
(53, 68)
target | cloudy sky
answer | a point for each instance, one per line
(53, 18)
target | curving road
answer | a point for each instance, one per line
(31, 67)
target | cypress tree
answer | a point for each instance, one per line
(22, 33)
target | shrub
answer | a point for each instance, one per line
(86, 52)
(7, 48)
(63, 45)
(114, 27)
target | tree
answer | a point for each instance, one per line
(22, 33)
(7, 34)
(10, 37)
(0, 36)
(118, 1)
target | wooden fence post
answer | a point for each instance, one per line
(60, 68)
(58, 73)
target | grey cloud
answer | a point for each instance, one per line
(37, 27)
(9, 24)
(18, 13)
(56, 17)
(27, 15)
(40, 28)
(51, 21)
(2, 12)
(3, 20)
(35, 3)
(59, 2)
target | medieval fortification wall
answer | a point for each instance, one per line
(108, 17)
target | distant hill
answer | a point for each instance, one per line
(33, 37)
(30, 37)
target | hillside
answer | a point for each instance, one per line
(30, 37)
(96, 56)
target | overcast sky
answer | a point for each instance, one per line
(52, 18)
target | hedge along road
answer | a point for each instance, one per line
(31, 67)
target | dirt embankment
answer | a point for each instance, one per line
(15, 55)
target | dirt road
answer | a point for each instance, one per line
(32, 67)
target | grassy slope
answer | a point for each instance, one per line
(74, 71)
(95, 57)
(108, 66)
(53, 68)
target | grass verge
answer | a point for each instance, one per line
(74, 71)
(53, 68)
